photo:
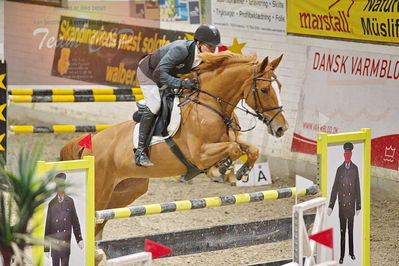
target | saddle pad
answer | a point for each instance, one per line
(172, 127)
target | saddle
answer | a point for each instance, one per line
(163, 119)
(162, 132)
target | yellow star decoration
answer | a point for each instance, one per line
(2, 77)
(236, 47)
(189, 36)
(1, 140)
(2, 107)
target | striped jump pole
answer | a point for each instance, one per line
(185, 205)
(57, 129)
(73, 98)
(100, 91)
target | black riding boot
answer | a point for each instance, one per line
(146, 123)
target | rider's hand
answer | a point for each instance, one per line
(189, 84)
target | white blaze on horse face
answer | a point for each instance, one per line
(277, 91)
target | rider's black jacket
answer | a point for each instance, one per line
(163, 65)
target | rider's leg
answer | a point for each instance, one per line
(146, 123)
(153, 101)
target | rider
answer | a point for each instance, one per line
(160, 68)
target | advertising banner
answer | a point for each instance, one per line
(194, 10)
(370, 20)
(105, 53)
(253, 15)
(347, 90)
(184, 11)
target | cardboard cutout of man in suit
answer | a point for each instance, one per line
(347, 187)
(61, 218)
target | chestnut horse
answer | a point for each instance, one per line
(206, 134)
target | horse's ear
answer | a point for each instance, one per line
(263, 65)
(274, 64)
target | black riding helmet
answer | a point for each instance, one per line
(208, 34)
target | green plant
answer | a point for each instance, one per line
(21, 192)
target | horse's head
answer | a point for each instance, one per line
(262, 94)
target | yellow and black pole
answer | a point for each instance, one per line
(3, 109)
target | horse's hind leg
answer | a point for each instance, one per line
(104, 187)
(125, 192)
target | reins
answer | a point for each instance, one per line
(227, 120)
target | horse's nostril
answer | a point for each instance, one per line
(280, 132)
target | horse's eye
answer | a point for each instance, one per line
(263, 90)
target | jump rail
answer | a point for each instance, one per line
(74, 98)
(100, 91)
(22, 129)
(185, 205)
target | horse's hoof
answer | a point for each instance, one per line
(218, 179)
(245, 178)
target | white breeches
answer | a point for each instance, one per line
(150, 92)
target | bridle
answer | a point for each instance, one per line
(227, 120)
(255, 93)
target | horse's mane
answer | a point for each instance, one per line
(212, 61)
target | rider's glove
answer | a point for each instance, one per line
(189, 84)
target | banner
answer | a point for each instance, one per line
(105, 53)
(194, 12)
(253, 15)
(370, 20)
(347, 90)
(185, 11)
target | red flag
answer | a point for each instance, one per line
(86, 142)
(156, 249)
(324, 237)
(222, 48)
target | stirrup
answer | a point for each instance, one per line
(143, 160)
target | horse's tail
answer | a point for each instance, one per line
(71, 150)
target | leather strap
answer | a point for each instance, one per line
(192, 170)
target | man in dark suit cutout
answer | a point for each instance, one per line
(347, 187)
(61, 219)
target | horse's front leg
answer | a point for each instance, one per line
(252, 154)
(221, 153)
